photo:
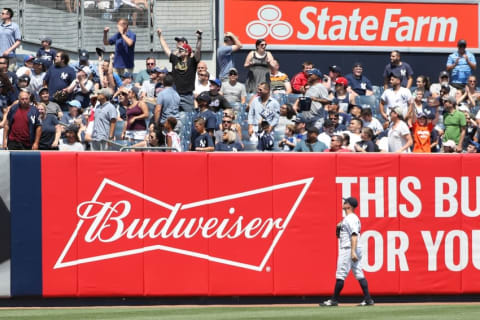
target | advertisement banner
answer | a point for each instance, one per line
(153, 224)
(420, 26)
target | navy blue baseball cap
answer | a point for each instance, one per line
(315, 71)
(83, 55)
(126, 75)
(158, 70)
(475, 144)
(204, 96)
(335, 68)
(181, 39)
(351, 201)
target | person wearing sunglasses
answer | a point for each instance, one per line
(233, 90)
(461, 64)
(184, 67)
(228, 123)
(143, 75)
(228, 142)
(10, 37)
(258, 63)
(471, 89)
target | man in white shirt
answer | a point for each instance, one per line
(443, 80)
(370, 121)
(396, 96)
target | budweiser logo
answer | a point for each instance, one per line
(214, 229)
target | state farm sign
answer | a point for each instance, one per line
(335, 25)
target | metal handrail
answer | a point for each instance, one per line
(148, 148)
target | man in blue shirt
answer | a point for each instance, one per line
(461, 63)
(311, 143)
(23, 127)
(45, 52)
(59, 77)
(224, 54)
(124, 41)
(168, 102)
(10, 37)
(400, 67)
(105, 120)
(209, 118)
(357, 82)
(263, 108)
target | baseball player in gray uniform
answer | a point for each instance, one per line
(349, 254)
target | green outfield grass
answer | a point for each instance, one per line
(400, 311)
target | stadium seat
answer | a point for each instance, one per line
(280, 97)
(366, 101)
(250, 146)
(377, 91)
(291, 98)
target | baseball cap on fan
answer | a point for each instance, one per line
(315, 71)
(186, 47)
(83, 55)
(444, 74)
(216, 82)
(343, 81)
(183, 39)
(450, 144)
(46, 39)
(351, 201)
(28, 58)
(335, 68)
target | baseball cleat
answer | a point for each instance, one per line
(329, 303)
(366, 303)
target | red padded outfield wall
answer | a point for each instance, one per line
(150, 224)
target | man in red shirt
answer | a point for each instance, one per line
(300, 80)
(336, 144)
(23, 127)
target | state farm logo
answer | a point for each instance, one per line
(239, 230)
(269, 23)
(382, 24)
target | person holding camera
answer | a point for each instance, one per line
(311, 106)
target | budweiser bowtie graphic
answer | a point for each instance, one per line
(120, 221)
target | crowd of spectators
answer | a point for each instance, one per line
(49, 103)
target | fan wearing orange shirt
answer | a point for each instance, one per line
(422, 131)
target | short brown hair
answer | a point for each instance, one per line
(200, 121)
